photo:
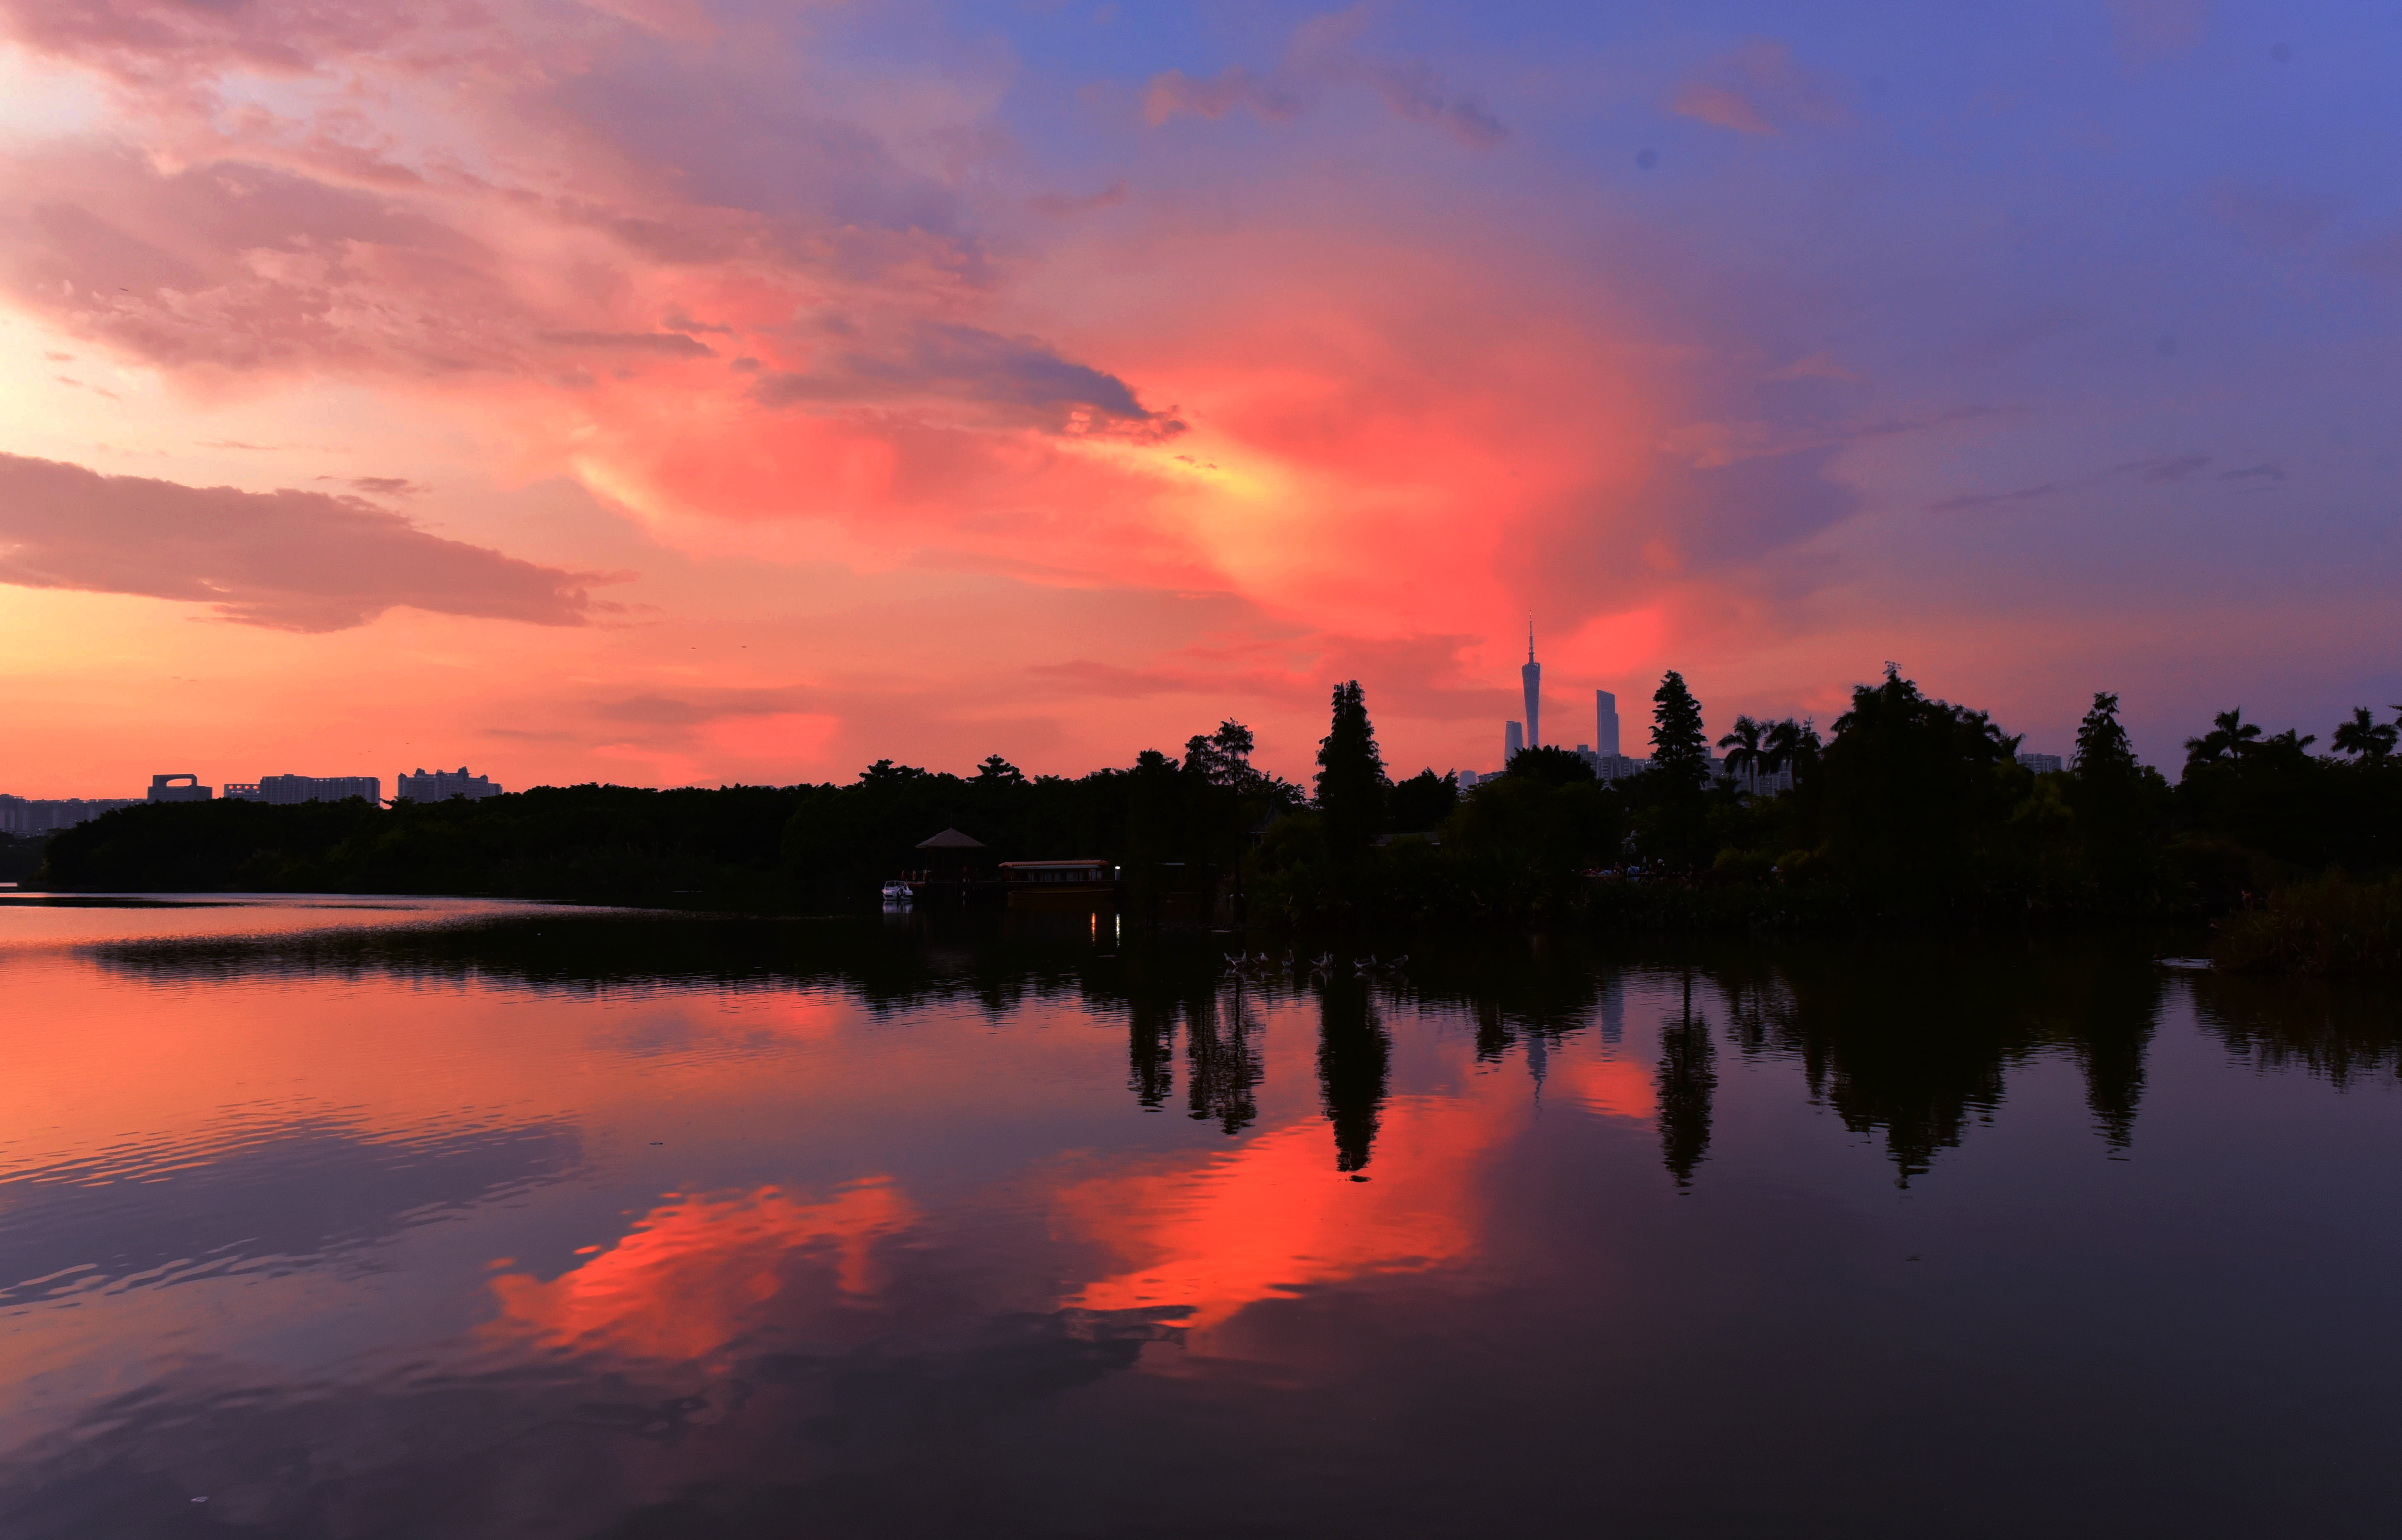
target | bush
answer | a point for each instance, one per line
(2329, 925)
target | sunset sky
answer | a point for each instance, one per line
(675, 391)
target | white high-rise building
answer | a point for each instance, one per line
(285, 791)
(1605, 723)
(442, 785)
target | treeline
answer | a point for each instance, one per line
(1913, 809)
(1910, 809)
(1163, 819)
(584, 844)
(20, 856)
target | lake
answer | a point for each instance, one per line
(409, 1217)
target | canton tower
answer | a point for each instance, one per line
(1533, 676)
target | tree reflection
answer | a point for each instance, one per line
(1689, 1079)
(1915, 1042)
(1910, 1042)
(2346, 1031)
(1151, 1051)
(1354, 1057)
(1223, 1062)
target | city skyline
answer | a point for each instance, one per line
(743, 393)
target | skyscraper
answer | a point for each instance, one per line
(1511, 743)
(1605, 723)
(1533, 676)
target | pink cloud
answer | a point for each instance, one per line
(290, 560)
(1758, 88)
(1172, 93)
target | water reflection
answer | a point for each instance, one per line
(612, 1225)
(262, 1194)
(2347, 1032)
(1689, 1078)
(1354, 1054)
(1910, 1045)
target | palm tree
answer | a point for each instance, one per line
(1744, 752)
(1789, 746)
(2365, 735)
(2230, 737)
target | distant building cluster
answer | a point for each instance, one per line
(2042, 765)
(185, 787)
(1603, 753)
(442, 785)
(40, 816)
(284, 790)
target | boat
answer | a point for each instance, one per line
(898, 892)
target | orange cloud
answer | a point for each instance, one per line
(1609, 1088)
(1275, 1215)
(697, 1274)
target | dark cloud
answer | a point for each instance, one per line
(2266, 471)
(1059, 207)
(1416, 93)
(1021, 377)
(291, 560)
(692, 708)
(665, 344)
(1327, 51)
(1083, 677)
(381, 486)
(2161, 471)
(2272, 218)
(1173, 93)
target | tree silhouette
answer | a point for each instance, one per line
(1550, 764)
(1793, 743)
(1423, 801)
(2365, 735)
(1746, 750)
(1351, 782)
(2231, 737)
(1911, 790)
(2103, 749)
(1681, 750)
(2113, 802)
(996, 770)
(1224, 758)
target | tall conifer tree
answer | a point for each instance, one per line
(1681, 750)
(1350, 775)
(2103, 750)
